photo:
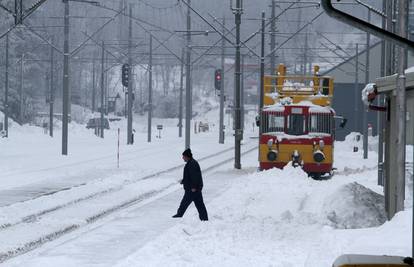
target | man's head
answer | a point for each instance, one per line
(187, 155)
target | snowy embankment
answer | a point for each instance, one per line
(283, 218)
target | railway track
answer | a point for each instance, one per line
(50, 222)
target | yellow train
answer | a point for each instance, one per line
(297, 122)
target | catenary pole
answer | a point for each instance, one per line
(130, 79)
(380, 115)
(188, 80)
(273, 39)
(150, 89)
(180, 111)
(401, 106)
(262, 72)
(93, 87)
(52, 91)
(21, 90)
(242, 92)
(65, 94)
(102, 110)
(6, 92)
(305, 55)
(356, 89)
(238, 130)
(221, 129)
(365, 110)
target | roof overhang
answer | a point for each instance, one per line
(389, 83)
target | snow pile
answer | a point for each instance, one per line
(81, 115)
(355, 206)
(248, 221)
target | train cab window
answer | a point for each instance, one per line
(325, 86)
(273, 123)
(320, 123)
(296, 124)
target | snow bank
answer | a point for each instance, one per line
(354, 206)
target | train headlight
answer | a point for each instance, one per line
(321, 144)
(318, 156)
(270, 143)
(272, 155)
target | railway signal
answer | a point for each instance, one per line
(125, 75)
(217, 79)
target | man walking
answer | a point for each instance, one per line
(193, 184)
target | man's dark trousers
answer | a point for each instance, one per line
(197, 197)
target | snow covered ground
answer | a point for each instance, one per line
(270, 218)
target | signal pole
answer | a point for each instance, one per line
(238, 130)
(65, 95)
(150, 90)
(129, 126)
(221, 129)
(188, 89)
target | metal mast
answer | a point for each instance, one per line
(188, 89)
(238, 129)
(65, 96)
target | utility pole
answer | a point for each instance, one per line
(365, 111)
(21, 91)
(238, 130)
(129, 126)
(356, 89)
(273, 39)
(6, 97)
(401, 106)
(102, 89)
(65, 94)
(221, 129)
(150, 89)
(93, 87)
(188, 89)
(180, 111)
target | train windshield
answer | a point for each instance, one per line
(296, 124)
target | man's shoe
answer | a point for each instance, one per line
(177, 216)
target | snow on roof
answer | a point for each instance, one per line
(369, 88)
(279, 107)
(276, 107)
